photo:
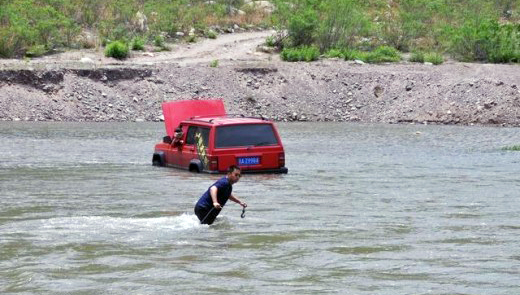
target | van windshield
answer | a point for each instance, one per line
(245, 135)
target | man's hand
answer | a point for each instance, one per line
(216, 205)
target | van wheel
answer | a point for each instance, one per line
(157, 160)
(194, 168)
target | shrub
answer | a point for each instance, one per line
(158, 41)
(341, 23)
(138, 43)
(117, 49)
(304, 53)
(486, 41)
(302, 27)
(434, 58)
(214, 63)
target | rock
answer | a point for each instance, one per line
(86, 60)
(489, 104)
(141, 22)
(378, 90)
(262, 6)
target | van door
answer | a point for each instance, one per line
(196, 147)
(174, 154)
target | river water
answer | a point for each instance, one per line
(364, 209)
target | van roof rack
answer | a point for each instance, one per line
(213, 117)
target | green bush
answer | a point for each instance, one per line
(138, 43)
(486, 41)
(302, 27)
(117, 49)
(24, 30)
(214, 63)
(341, 23)
(304, 53)
(158, 41)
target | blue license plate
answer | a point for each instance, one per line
(248, 161)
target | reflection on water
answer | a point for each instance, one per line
(364, 209)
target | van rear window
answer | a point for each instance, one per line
(245, 135)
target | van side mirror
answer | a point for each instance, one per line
(167, 139)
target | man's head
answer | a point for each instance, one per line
(234, 174)
(178, 133)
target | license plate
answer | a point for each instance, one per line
(248, 161)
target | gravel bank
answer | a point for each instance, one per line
(257, 83)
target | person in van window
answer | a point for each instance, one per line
(177, 138)
(212, 201)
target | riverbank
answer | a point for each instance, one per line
(86, 86)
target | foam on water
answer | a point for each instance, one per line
(101, 228)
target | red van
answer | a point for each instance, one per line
(213, 142)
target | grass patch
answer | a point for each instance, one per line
(211, 34)
(512, 148)
(434, 57)
(191, 39)
(214, 63)
(431, 57)
(379, 55)
(334, 53)
(270, 41)
(417, 56)
(36, 51)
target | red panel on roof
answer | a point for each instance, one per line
(176, 111)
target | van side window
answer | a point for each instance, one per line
(193, 131)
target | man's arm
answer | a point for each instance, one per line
(213, 193)
(238, 201)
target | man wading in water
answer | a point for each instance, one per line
(212, 201)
